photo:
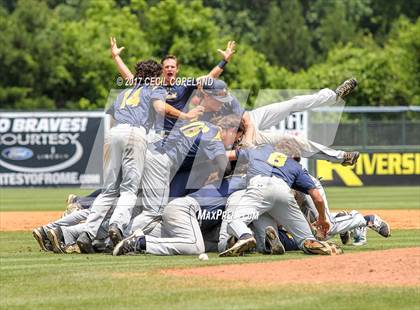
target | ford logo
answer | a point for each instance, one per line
(17, 153)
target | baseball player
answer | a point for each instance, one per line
(217, 101)
(60, 236)
(125, 150)
(40, 233)
(192, 144)
(271, 174)
(261, 119)
(178, 94)
(183, 221)
(342, 222)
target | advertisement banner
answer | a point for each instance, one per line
(50, 149)
(377, 168)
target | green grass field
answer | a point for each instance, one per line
(51, 199)
(30, 279)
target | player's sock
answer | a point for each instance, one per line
(288, 242)
(369, 219)
(141, 244)
(245, 236)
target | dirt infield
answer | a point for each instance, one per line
(396, 267)
(18, 221)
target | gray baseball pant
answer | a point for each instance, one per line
(258, 227)
(233, 201)
(155, 190)
(273, 196)
(180, 229)
(124, 153)
(270, 115)
(71, 219)
(71, 233)
(339, 224)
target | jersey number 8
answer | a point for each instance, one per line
(277, 159)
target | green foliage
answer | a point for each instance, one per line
(55, 53)
(403, 51)
(285, 38)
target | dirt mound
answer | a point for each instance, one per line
(396, 267)
(16, 221)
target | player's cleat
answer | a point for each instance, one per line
(380, 226)
(85, 244)
(72, 207)
(345, 237)
(350, 158)
(244, 244)
(72, 248)
(317, 247)
(71, 198)
(336, 250)
(42, 239)
(272, 242)
(55, 235)
(115, 234)
(231, 242)
(359, 236)
(346, 88)
(129, 244)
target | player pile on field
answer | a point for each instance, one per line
(210, 178)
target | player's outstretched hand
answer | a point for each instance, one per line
(322, 227)
(195, 113)
(229, 51)
(115, 50)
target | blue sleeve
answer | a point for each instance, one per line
(242, 154)
(158, 93)
(214, 148)
(303, 181)
(236, 107)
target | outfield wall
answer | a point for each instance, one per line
(51, 148)
(373, 168)
(65, 149)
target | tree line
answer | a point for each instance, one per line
(55, 53)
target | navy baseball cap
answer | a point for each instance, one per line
(218, 90)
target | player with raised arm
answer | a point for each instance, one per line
(178, 94)
(124, 152)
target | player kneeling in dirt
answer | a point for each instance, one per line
(271, 176)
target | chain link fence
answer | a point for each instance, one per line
(369, 129)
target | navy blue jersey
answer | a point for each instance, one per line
(177, 96)
(265, 161)
(212, 199)
(214, 195)
(232, 107)
(195, 142)
(135, 106)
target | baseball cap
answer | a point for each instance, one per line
(218, 90)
